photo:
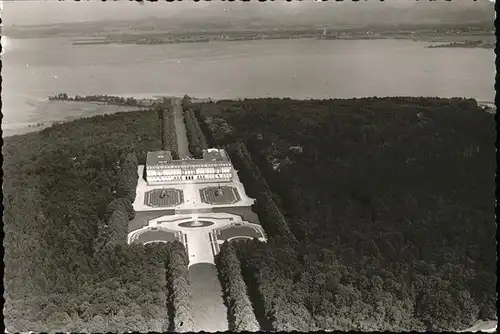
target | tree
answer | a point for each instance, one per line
(178, 288)
(445, 310)
(235, 291)
(98, 325)
(128, 178)
(58, 322)
(122, 204)
(186, 100)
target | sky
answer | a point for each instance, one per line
(23, 12)
(26, 12)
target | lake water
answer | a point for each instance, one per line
(36, 68)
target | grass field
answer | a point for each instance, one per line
(209, 312)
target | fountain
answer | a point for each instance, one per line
(218, 192)
(196, 223)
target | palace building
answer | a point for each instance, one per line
(215, 166)
(198, 202)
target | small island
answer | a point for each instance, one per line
(466, 44)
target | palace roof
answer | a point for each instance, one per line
(210, 156)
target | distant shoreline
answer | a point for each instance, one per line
(479, 41)
(13, 129)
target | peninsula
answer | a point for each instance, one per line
(466, 44)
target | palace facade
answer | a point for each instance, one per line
(215, 166)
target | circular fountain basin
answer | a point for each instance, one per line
(194, 224)
(240, 238)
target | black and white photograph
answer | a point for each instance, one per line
(248, 166)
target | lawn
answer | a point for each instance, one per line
(208, 308)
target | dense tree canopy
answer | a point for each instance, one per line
(391, 200)
(60, 185)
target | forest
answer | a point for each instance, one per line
(379, 214)
(391, 201)
(68, 191)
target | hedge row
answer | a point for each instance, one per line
(168, 135)
(269, 212)
(128, 178)
(120, 204)
(211, 142)
(115, 229)
(241, 315)
(272, 218)
(178, 302)
(120, 210)
(178, 287)
(248, 170)
(196, 138)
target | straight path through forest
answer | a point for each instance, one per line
(208, 309)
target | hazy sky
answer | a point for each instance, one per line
(52, 11)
